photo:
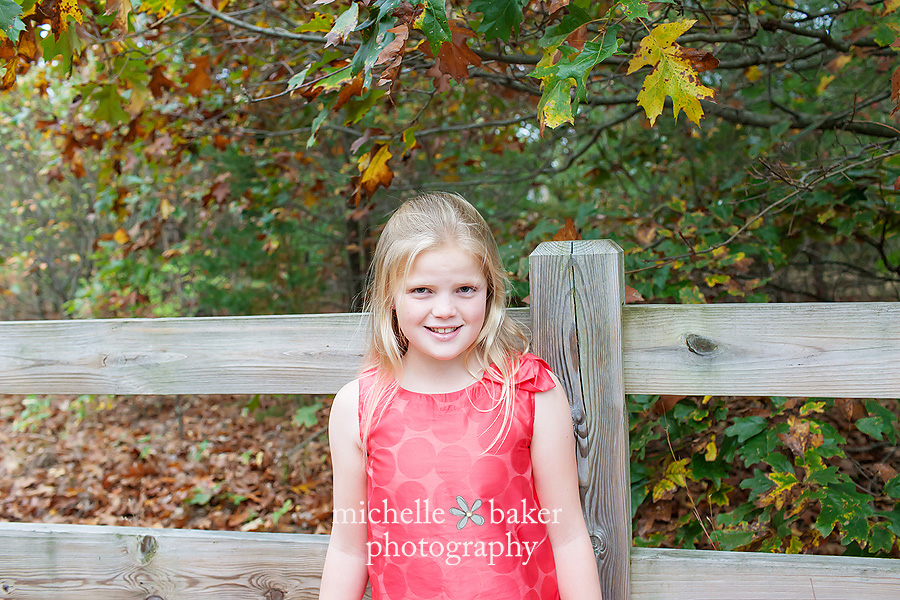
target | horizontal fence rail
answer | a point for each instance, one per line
(831, 350)
(84, 562)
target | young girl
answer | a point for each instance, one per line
(453, 453)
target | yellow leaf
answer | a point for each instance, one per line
(165, 208)
(890, 6)
(714, 280)
(753, 74)
(672, 74)
(375, 170)
(121, 236)
(784, 482)
(825, 216)
(660, 489)
(824, 82)
(711, 451)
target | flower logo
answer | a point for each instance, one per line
(466, 513)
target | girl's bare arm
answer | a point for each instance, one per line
(556, 482)
(345, 576)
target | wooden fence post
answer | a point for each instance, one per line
(577, 293)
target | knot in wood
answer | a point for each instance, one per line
(148, 548)
(700, 345)
(597, 544)
(154, 597)
(273, 594)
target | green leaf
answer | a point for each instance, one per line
(109, 106)
(871, 426)
(731, 539)
(500, 17)
(555, 107)
(635, 9)
(433, 23)
(779, 462)
(556, 34)
(892, 487)
(745, 428)
(306, 415)
(10, 19)
(343, 25)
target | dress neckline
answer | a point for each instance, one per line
(451, 393)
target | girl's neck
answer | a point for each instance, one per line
(430, 376)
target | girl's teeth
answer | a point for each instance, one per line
(442, 329)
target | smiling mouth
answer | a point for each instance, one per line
(443, 329)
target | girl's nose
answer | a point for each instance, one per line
(443, 307)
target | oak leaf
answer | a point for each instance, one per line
(392, 54)
(198, 80)
(343, 26)
(567, 232)
(121, 8)
(672, 74)
(60, 13)
(374, 169)
(455, 57)
(159, 82)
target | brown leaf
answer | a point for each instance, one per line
(198, 80)
(159, 82)
(28, 48)
(7, 49)
(555, 5)
(577, 38)
(122, 8)
(851, 408)
(440, 80)
(632, 295)
(454, 58)
(666, 403)
(884, 471)
(9, 78)
(567, 232)
(354, 88)
(392, 54)
(701, 60)
(407, 13)
(799, 438)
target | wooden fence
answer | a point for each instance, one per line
(601, 350)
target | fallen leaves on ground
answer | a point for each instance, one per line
(125, 463)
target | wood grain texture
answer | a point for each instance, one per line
(831, 350)
(658, 574)
(82, 562)
(296, 354)
(576, 299)
(821, 350)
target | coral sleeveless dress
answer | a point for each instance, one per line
(451, 516)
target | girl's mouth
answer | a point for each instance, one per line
(443, 330)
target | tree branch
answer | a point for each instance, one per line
(276, 32)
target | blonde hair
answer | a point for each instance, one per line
(423, 223)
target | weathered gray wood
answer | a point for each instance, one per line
(823, 350)
(297, 354)
(576, 297)
(845, 350)
(82, 562)
(658, 574)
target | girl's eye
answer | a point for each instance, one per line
(467, 289)
(419, 290)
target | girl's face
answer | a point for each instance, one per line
(442, 305)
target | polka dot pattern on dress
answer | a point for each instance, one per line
(446, 506)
